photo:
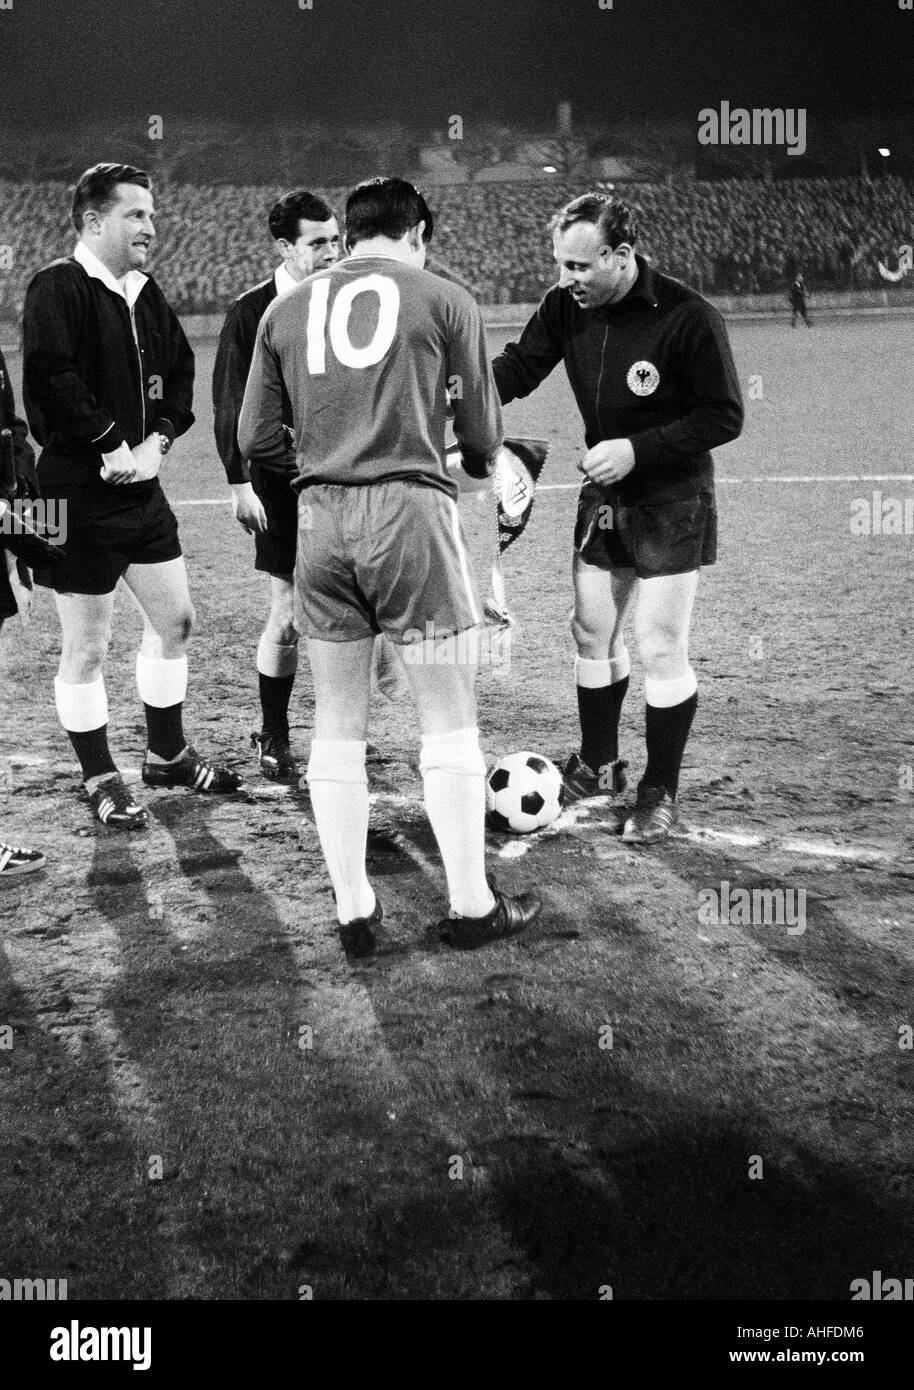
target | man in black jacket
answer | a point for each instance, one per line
(15, 582)
(797, 299)
(305, 231)
(108, 384)
(652, 373)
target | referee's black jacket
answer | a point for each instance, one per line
(88, 384)
(655, 368)
(230, 374)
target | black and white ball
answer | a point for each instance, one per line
(524, 792)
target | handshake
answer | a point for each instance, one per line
(139, 465)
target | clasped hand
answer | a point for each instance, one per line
(609, 461)
(139, 465)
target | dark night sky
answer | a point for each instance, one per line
(421, 60)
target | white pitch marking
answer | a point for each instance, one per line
(822, 849)
(775, 478)
(824, 478)
(861, 856)
(569, 818)
(513, 849)
(731, 837)
(573, 487)
(200, 501)
(582, 816)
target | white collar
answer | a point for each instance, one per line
(283, 281)
(134, 280)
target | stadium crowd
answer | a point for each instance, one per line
(731, 236)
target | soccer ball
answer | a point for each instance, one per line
(524, 792)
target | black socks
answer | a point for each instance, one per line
(275, 694)
(599, 710)
(666, 732)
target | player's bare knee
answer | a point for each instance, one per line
(82, 657)
(590, 641)
(184, 625)
(281, 629)
(151, 644)
(173, 633)
(663, 652)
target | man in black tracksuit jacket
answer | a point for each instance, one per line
(108, 385)
(651, 369)
(305, 231)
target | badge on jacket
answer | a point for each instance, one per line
(643, 378)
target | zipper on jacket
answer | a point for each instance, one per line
(602, 369)
(139, 358)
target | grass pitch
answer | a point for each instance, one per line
(201, 1099)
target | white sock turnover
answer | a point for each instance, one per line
(454, 778)
(275, 658)
(339, 795)
(666, 694)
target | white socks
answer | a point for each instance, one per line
(453, 775)
(666, 694)
(161, 681)
(81, 708)
(274, 659)
(620, 666)
(593, 675)
(339, 795)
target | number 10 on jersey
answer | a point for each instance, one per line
(388, 297)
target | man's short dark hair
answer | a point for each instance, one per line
(295, 207)
(386, 207)
(615, 221)
(96, 189)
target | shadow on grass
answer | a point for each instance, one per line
(206, 1007)
(866, 978)
(635, 1172)
(70, 1203)
(283, 1168)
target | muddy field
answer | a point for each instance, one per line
(202, 1099)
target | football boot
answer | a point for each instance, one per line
(189, 770)
(508, 917)
(654, 816)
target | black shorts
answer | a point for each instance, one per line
(653, 540)
(105, 529)
(275, 548)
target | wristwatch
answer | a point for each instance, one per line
(164, 443)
